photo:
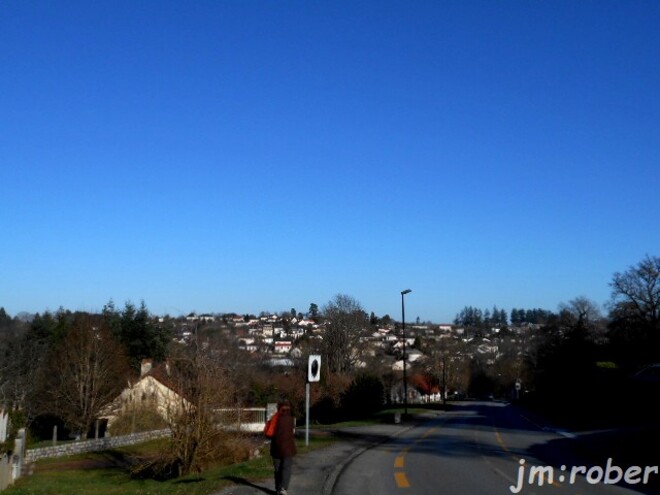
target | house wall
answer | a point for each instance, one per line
(146, 392)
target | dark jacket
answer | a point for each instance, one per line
(283, 443)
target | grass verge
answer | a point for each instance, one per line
(385, 416)
(104, 473)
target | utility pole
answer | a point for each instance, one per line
(403, 331)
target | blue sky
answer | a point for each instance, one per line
(257, 156)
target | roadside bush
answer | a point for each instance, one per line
(227, 448)
(234, 448)
(159, 469)
(363, 397)
(324, 410)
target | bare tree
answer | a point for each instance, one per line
(204, 389)
(516, 361)
(636, 292)
(583, 315)
(583, 310)
(635, 313)
(84, 373)
(346, 322)
(447, 362)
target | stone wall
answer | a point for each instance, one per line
(105, 443)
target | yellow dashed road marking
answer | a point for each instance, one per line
(401, 479)
(500, 441)
(400, 461)
(506, 449)
(429, 432)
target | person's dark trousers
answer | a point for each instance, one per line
(282, 472)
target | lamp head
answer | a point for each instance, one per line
(407, 291)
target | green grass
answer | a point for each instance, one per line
(73, 475)
(383, 416)
(67, 476)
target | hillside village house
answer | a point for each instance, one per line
(195, 317)
(248, 344)
(283, 346)
(155, 388)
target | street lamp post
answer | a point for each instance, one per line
(403, 331)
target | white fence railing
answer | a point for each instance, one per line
(251, 419)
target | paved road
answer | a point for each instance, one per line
(315, 472)
(477, 448)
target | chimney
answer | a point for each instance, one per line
(145, 367)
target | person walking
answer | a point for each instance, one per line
(283, 447)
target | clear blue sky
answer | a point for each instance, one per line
(258, 155)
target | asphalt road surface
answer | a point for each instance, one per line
(489, 448)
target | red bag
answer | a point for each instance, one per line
(271, 425)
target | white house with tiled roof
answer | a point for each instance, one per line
(154, 389)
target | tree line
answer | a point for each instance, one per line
(71, 364)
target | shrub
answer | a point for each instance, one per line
(225, 449)
(363, 398)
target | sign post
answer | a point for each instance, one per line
(313, 375)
